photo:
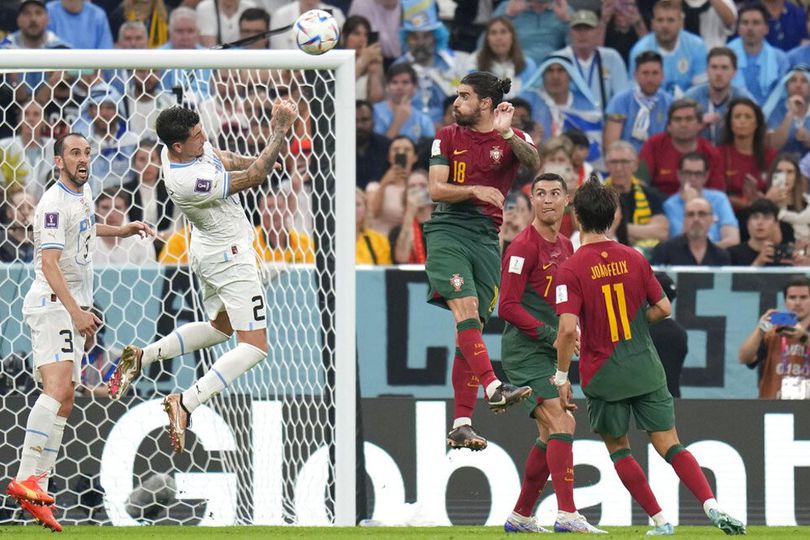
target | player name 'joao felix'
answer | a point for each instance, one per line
(611, 269)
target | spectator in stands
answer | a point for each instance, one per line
(541, 26)
(786, 24)
(26, 159)
(368, 64)
(780, 352)
(385, 197)
(787, 112)
(252, 22)
(275, 240)
(111, 209)
(602, 68)
(744, 153)
(558, 149)
(693, 247)
(683, 53)
(398, 115)
(765, 245)
(760, 65)
(149, 200)
(17, 233)
(132, 35)
(715, 95)
(425, 45)
(693, 171)
(521, 119)
(80, 23)
(517, 214)
(372, 148)
(219, 20)
(787, 188)
(151, 13)
(370, 246)
(635, 114)
(670, 340)
(642, 209)
(561, 100)
(104, 124)
(662, 152)
(501, 54)
(407, 239)
(144, 100)
(800, 55)
(223, 114)
(714, 21)
(98, 361)
(384, 16)
(579, 155)
(623, 25)
(289, 13)
(184, 34)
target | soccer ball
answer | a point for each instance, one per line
(316, 32)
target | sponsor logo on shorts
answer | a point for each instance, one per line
(457, 282)
(51, 220)
(203, 186)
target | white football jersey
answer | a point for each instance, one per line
(200, 189)
(66, 220)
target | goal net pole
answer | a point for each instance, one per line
(342, 62)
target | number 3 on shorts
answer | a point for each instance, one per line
(258, 308)
(68, 348)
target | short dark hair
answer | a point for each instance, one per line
(577, 137)
(694, 156)
(59, 143)
(487, 85)
(352, 23)
(514, 196)
(647, 57)
(363, 103)
(399, 69)
(753, 6)
(550, 177)
(174, 124)
(520, 103)
(684, 103)
(722, 51)
(255, 14)
(595, 205)
(796, 281)
(763, 206)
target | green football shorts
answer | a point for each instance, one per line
(459, 266)
(534, 370)
(653, 412)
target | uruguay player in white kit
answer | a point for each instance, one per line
(57, 310)
(203, 182)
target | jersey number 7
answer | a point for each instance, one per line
(611, 312)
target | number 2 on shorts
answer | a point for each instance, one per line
(611, 314)
(258, 308)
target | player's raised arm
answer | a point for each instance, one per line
(523, 150)
(284, 114)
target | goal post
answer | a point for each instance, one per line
(320, 406)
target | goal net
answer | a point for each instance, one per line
(277, 446)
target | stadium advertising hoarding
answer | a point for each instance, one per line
(757, 454)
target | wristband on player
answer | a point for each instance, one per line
(560, 378)
(509, 135)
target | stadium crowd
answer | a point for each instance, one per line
(695, 112)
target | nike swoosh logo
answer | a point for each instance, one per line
(459, 152)
(547, 265)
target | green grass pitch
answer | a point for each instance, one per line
(393, 533)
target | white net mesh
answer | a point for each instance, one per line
(263, 451)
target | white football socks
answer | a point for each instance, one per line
(188, 338)
(37, 433)
(228, 367)
(659, 519)
(51, 451)
(462, 421)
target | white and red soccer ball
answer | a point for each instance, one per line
(316, 32)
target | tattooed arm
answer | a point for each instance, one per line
(284, 113)
(525, 152)
(233, 161)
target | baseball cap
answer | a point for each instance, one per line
(583, 16)
(23, 3)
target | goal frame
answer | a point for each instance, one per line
(342, 61)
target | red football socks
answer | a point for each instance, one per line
(633, 478)
(472, 346)
(534, 480)
(465, 388)
(560, 458)
(688, 470)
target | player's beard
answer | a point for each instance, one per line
(74, 177)
(467, 120)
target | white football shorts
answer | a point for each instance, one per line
(54, 338)
(235, 286)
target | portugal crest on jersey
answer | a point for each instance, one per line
(496, 154)
(457, 282)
